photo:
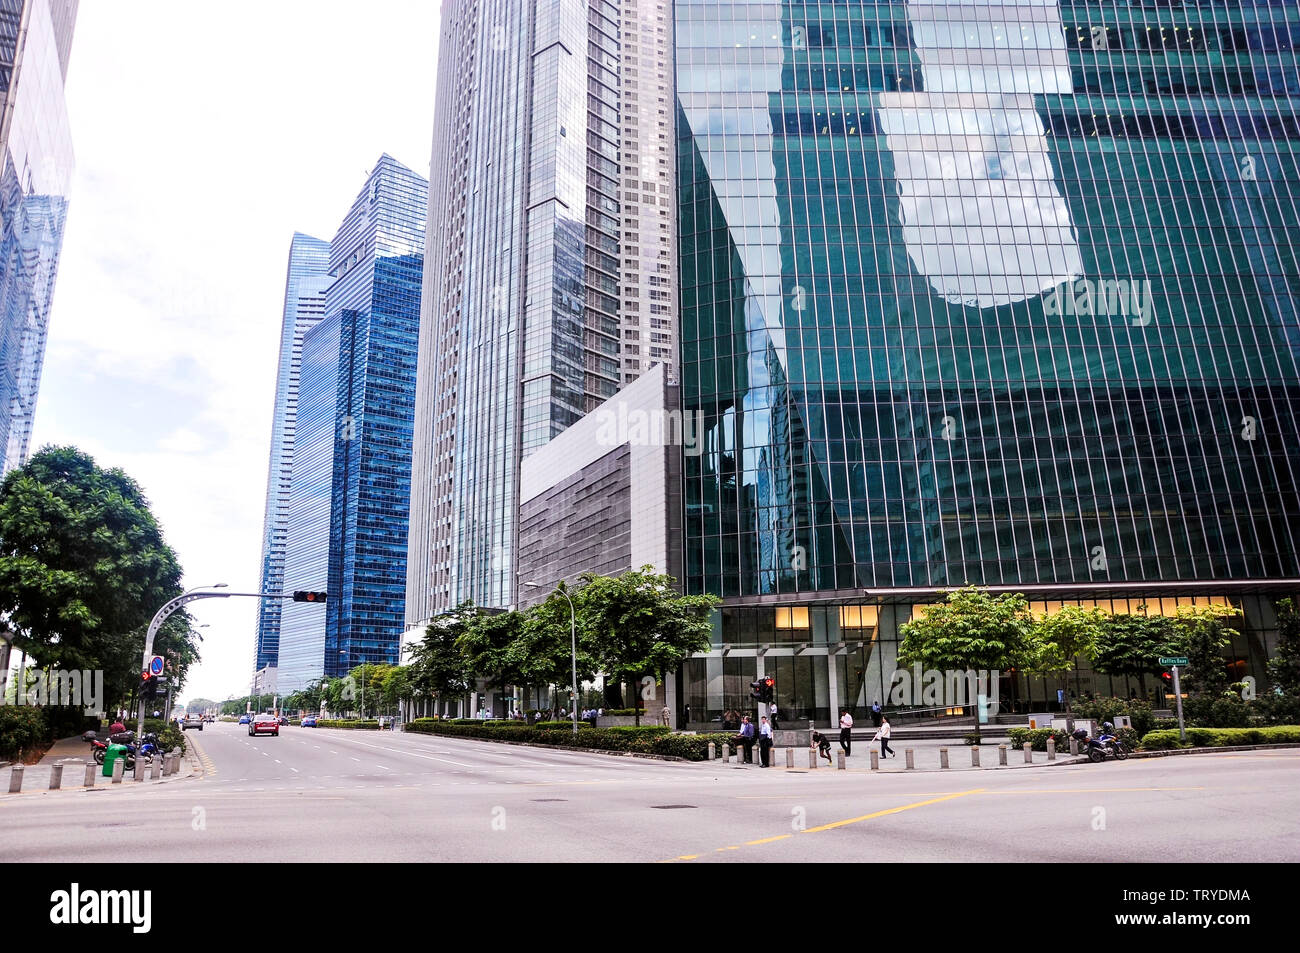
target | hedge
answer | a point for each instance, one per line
(348, 723)
(650, 739)
(1037, 737)
(1166, 739)
(22, 729)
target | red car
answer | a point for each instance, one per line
(264, 725)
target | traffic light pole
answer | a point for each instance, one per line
(184, 599)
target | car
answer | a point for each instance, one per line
(309, 721)
(192, 721)
(264, 724)
(244, 719)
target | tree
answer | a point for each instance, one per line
(438, 667)
(638, 625)
(543, 652)
(1059, 639)
(488, 642)
(1131, 644)
(970, 630)
(83, 567)
(1284, 666)
(1202, 632)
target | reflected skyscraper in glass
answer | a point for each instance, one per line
(999, 293)
(36, 152)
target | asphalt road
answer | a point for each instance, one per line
(328, 795)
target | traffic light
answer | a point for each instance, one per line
(148, 685)
(756, 690)
(769, 689)
(303, 595)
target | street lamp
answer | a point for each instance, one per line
(573, 635)
(363, 684)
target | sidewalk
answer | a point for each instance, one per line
(925, 757)
(74, 754)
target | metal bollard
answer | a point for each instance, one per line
(1051, 749)
(713, 751)
(92, 769)
(1074, 746)
(155, 768)
(909, 762)
(726, 753)
(119, 766)
(875, 760)
(943, 757)
(138, 773)
(839, 765)
(16, 779)
(974, 756)
(1029, 753)
(812, 759)
(789, 757)
(56, 777)
(1002, 754)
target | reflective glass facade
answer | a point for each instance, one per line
(377, 259)
(1001, 293)
(304, 304)
(36, 172)
(989, 292)
(301, 629)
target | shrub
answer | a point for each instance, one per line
(348, 723)
(1221, 737)
(973, 738)
(23, 729)
(1037, 737)
(649, 739)
(1274, 709)
(1224, 711)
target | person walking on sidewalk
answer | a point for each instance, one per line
(882, 735)
(822, 744)
(772, 712)
(765, 743)
(846, 732)
(747, 739)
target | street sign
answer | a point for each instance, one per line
(1180, 660)
(156, 665)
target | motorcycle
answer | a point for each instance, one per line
(1113, 746)
(1094, 748)
(146, 749)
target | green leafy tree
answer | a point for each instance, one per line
(83, 568)
(638, 625)
(488, 645)
(970, 630)
(1284, 666)
(1062, 637)
(1132, 643)
(1203, 632)
(543, 652)
(439, 668)
(395, 687)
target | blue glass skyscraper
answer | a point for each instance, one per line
(35, 174)
(304, 305)
(998, 292)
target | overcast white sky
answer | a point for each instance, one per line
(205, 136)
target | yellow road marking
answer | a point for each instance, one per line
(891, 810)
(767, 840)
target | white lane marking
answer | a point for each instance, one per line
(295, 771)
(358, 760)
(385, 767)
(277, 760)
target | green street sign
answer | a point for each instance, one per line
(1182, 660)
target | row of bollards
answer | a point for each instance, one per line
(909, 760)
(163, 765)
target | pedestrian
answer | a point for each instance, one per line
(687, 720)
(882, 735)
(765, 742)
(664, 715)
(846, 732)
(116, 727)
(747, 739)
(822, 744)
(875, 714)
(773, 714)
(593, 718)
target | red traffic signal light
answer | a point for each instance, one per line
(769, 681)
(302, 595)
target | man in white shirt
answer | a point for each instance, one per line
(772, 712)
(846, 732)
(765, 743)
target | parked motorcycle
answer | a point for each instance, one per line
(1114, 747)
(1093, 747)
(147, 749)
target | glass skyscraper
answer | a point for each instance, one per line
(999, 293)
(36, 153)
(304, 304)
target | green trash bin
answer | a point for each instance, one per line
(114, 753)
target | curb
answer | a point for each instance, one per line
(1209, 750)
